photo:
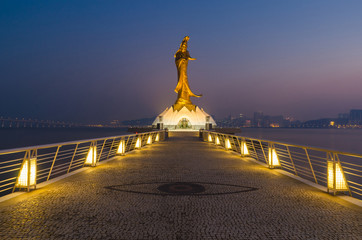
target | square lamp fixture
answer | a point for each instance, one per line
(138, 143)
(92, 156)
(210, 138)
(217, 141)
(227, 144)
(273, 160)
(244, 149)
(149, 139)
(122, 147)
(27, 176)
(336, 180)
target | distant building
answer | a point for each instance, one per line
(343, 116)
(319, 123)
(274, 121)
(258, 119)
(355, 117)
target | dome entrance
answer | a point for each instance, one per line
(184, 123)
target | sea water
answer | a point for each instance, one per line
(24, 137)
(345, 140)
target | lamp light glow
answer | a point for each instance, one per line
(157, 137)
(244, 149)
(227, 144)
(22, 181)
(217, 141)
(335, 177)
(122, 147)
(92, 156)
(149, 140)
(210, 138)
(138, 143)
(273, 158)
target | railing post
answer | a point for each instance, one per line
(51, 168)
(256, 154)
(261, 146)
(71, 161)
(310, 164)
(125, 147)
(100, 154)
(110, 149)
(291, 160)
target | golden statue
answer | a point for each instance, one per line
(182, 57)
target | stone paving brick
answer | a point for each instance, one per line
(120, 200)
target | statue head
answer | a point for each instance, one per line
(183, 46)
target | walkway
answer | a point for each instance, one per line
(120, 200)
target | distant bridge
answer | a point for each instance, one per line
(34, 123)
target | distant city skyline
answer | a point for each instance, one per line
(91, 61)
(352, 119)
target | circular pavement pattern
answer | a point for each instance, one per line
(181, 188)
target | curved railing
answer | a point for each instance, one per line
(23, 168)
(337, 171)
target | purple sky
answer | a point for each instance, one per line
(92, 61)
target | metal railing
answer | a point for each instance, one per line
(57, 159)
(310, 163)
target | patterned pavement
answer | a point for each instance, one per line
(121, 200)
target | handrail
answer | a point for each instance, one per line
(13, 150)
(296, 145)
(45, 162)
(320, 165)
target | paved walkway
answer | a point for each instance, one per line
(120, 200)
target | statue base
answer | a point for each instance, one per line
(184, 119)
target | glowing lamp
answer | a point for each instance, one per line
(27, 175)
(335, 177)
(210, 138)
(122, 147)
(244, 149)
(92, 156)
(217, 141)
(149, 140)
(273, 159)
(138, 143)
(157, 137)
(227, 144)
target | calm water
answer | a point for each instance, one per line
(14, 138)
(346, 140)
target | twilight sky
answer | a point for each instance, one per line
(90, 61)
